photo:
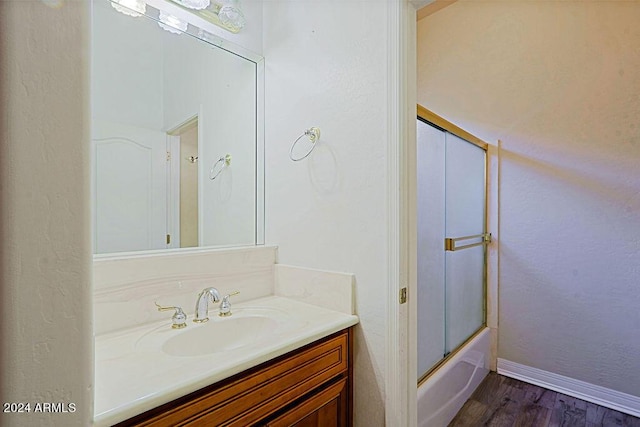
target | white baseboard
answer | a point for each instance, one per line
(602, 396)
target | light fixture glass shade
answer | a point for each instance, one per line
(133, 8)
(171, 23)
(194, 4)
(230, 14)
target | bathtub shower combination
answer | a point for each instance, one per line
(453, 341)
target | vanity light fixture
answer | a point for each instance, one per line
(230, 14)
(226, 14)
(194, 4)
(171, 23)
(133, 8)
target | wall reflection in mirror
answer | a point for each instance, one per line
(166, 107)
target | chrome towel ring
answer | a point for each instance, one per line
(222, 162)
(314, 135)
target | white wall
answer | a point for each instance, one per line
(45, 250)
(326, 67)
(559, 84)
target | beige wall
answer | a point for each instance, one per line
(559, 84)
(45, 252)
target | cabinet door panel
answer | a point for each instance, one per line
(324, 409)
(279, 385)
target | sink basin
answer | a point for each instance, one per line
(245, 328)
(215, 337)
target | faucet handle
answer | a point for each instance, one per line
(179, 319)
(225, 305)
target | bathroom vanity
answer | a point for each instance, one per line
(282, 357)
(275, 361)
(307, 386)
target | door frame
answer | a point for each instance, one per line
(401, 350)
(173, 177)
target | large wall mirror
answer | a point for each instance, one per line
(176, 138)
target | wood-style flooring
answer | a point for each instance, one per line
(504, 402)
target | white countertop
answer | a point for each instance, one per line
(133, 375)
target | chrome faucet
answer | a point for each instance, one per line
(202, 305)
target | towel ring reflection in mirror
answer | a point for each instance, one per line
(219, 165)
(314, 135)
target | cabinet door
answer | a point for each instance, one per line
(326, 408)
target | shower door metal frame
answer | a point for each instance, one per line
(433, 119)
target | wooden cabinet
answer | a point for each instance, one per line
(307, 387)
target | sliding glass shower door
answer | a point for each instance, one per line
(451, 242)
(465, 228)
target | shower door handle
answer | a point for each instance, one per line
(450, 244)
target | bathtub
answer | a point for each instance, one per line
(442, 394)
